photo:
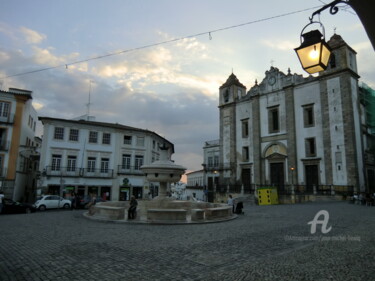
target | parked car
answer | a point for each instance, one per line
(12, 207)
(52, 202)
(85, 201)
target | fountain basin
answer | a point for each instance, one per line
(162, 211)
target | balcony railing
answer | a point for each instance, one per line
(132, 170)
(4, 145)
(285, 189)
(3, 172)
(8, 119)
(77, 172)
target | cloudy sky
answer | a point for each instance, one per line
(169, 88)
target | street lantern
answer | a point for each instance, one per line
(314, 52)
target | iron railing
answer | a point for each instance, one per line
(286, 189)
(4, 145)
(51, 171)
(132, 170)
(7, 119)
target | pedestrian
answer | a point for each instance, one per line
(73, 201)
(77, 200)
(231, 202)
(133, 208)
(1, 201)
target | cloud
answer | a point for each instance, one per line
(32, 36)
(283, 45)
(162, 89)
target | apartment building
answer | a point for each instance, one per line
(90, 157)
(18, 145)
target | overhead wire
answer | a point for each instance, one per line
(209, 33)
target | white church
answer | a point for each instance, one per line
(294, 132)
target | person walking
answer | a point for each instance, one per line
(73, 201)
(133, 208)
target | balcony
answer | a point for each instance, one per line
(4, 145)
(3, 172)
(78, 172)
(128, 170)
(7, 119)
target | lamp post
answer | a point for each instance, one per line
(293, 198)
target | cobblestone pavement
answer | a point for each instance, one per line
(266, 243)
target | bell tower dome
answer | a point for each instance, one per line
(343, 57)
(231, 91)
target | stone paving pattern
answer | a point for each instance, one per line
(63, 245)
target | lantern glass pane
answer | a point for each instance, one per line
(314, 69)
(309, 55)
(325, 55)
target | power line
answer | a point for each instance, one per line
(209, 33)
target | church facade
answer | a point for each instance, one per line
(290, 131)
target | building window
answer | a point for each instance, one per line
(138, 162)
(153, 144)
(126, 158)
(56, 162)
(216, 161)
(2, 170)
(93, 137)
(59, 133)
(127, 139)
(245, 153)
(210, 162)
(72, 163)
(245, 128)
(273, 120)
(308, 116)
(73, 135)
(30, 124)
(91, 163)
(106, 138)
(104, 165)
(140, 141)
(4, 109)
(310, 147)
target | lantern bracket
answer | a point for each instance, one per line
(333, 9)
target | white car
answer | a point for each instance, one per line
(52, 202)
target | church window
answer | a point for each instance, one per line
(308, 116)
(332, 61)
(310, 147)
(273, 120)
(245, 128)
(245, 153)
(226, 95)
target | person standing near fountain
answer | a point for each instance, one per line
(231, 202)
(133, 208)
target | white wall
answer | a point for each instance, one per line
(338, 156)
(304, 95)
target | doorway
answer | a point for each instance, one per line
(246, 179)
(312, 177)
(277, 175)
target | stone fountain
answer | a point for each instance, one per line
(163, 171)
(163, 209)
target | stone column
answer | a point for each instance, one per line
(162, 190)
